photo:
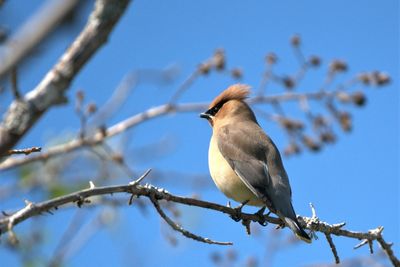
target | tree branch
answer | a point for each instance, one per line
(179, 228)
(155, 194)
(387, 248)
(333, 248)
(147, 115)
(25, 151)
(22, 114)
(32, 32)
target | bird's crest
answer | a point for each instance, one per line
(234, 92)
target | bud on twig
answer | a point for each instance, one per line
(377, 78)
(345, 121)
(319, 122)
(365, 78)
(80, 96)
(295, 40)
(380, 78)
(310, 143)
(343, 97)
(338, 66)
(292, 149)
(288, 82)
(359, 98)
(291, 125)
(102, 130)
(91, 108)
(117, 157)
(271, 58)
(204, 68)
(219, 59)
(327, 137)
(315, 61)
(237, 73)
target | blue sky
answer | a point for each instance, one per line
(355, 180)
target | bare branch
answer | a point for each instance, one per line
(32, 32)
(387, 248)
(66, 240)
(155, 194)
(184, 86)
(25, 151)
(179, 228)
(147, 115)
(22, 114)
(38, 208)
(140, 179)
(333, 248)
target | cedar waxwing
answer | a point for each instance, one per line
(244, 162)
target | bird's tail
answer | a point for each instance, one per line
(297, 229)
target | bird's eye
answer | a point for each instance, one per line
(214, 110)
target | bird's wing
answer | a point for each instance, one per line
(249, 152)
(246, 157)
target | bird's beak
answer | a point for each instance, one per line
(205, 116)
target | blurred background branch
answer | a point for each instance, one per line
(23, 113)
(295, 129)
(45, 20)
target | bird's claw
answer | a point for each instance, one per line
(238, 212)
(280, 226)
(261, 219)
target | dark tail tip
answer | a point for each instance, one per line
(303, 236)
(298, 231)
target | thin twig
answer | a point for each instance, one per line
(303, 64)
(77, 241)
(147, 115)
(387, 248)
(264, 80)
(362, 243)
(14, 83)
(32, 32)
(67, 238)
(111, 155)
(184, 86)
(25, 151)
(180, 229)
(371, 247)
(333, 248)
(313, 211)
(125, 87)
(140, 179)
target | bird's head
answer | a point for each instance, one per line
(229, 106)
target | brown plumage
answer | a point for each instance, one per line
(244, 162)
(234, 92)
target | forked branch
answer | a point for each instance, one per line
(134, 190)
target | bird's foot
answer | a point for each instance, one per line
(261, 219)
(280, 226)
(238, 211)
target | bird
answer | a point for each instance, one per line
(244, 162)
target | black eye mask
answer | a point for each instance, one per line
(214, 110)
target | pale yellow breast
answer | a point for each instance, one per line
(226, 179)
